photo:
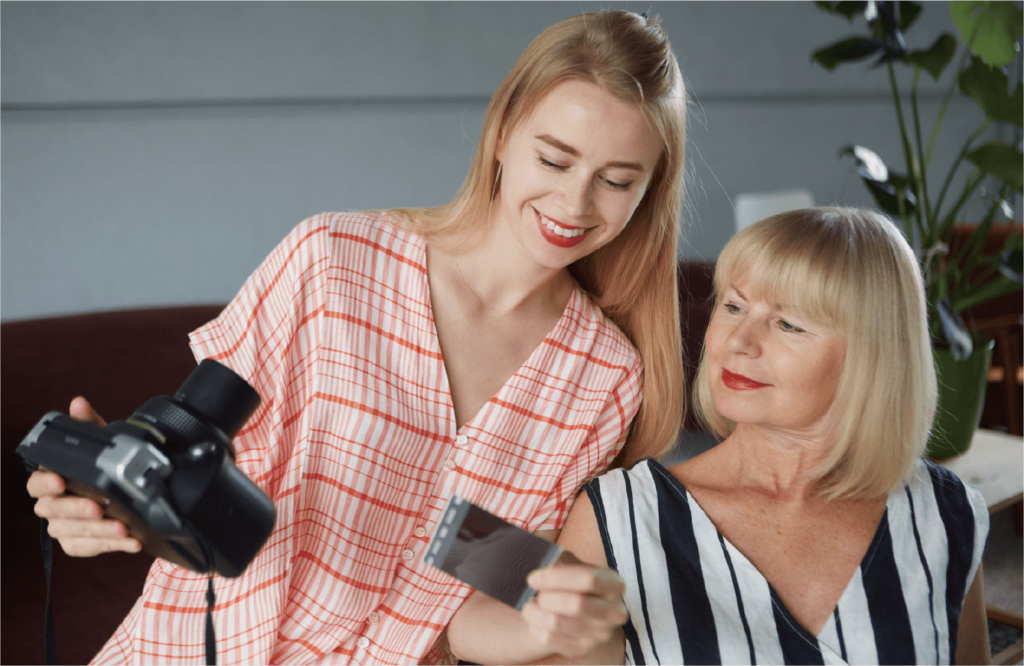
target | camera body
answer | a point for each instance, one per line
(168, 472)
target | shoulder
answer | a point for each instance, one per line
(619, 490)
(961, 508)
(596, 336)
(351, 239)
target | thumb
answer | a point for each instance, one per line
(81, 410)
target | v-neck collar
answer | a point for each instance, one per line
(557, 332)
(865, 563)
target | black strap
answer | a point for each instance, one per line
(49, 629)
(211, 640)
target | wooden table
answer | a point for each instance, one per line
(994, 465)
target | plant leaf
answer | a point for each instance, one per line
(890, 19)
(935, 59)
(1000, 160)
(988, 86)
(885, 186)
(847, 9)
(1011, 258)
(954, 331)
(1000, 286)
(850, 49)
(998, 26)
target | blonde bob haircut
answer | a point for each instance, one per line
(632, 278)
(853, 271)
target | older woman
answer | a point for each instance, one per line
(814, 532)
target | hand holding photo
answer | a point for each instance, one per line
(488, 553)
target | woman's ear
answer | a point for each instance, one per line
(502, 145)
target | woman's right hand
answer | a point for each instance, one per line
(77, 522)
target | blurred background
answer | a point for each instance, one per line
(153, 153)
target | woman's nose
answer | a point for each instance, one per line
(745, 337)
(578, 196)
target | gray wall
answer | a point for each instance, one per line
(153, 153)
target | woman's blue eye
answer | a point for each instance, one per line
(786, 326)
(729, 307)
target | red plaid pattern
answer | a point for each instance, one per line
(356, 443)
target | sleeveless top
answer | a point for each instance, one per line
(694, 598)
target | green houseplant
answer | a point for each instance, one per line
(958, 273)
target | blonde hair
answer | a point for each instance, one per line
(632, 278)
(852, 271)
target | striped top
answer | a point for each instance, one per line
(693, 598)
(356, 443)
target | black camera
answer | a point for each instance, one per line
(168, 471)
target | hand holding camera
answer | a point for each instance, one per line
(166, 474)
(77, 522)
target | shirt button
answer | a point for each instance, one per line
(373, 617)
(420, 532)
(363, 642)
(449, 464)
(461, 440)
(407, 554)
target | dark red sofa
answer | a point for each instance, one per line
(118, 360)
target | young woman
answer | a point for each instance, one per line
(492, 348)
(814, 533)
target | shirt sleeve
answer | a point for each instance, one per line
(602, 444)
(270, 333)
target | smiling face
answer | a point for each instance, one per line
(573, 172)
(770, 366)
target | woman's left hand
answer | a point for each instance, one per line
(577, 607)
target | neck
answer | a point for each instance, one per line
(780, 465)
(483, 268)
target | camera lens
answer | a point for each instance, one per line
(220, 395)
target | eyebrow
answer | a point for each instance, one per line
(778, 306)
(566, 148)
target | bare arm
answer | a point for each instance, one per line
(77, 522)
(972, 646)
(577, 612)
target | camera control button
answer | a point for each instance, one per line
(407, 554)
(363, 642)
(461, 440)
(450, 464)
(420, 532)
(373, 618)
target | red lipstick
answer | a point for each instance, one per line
(555, 239)
(738, 382)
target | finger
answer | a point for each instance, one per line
(81, 409)
(566, 635)
(92, 547)
(68, 507)
(45, 484)
(578, 578)
(66, 528)
(601, 610)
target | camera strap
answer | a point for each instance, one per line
(211, 640)
(49, 629)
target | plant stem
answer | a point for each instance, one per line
(920, 148)
(908, 149)
(952, 171)
(945, 105)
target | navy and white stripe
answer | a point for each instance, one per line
(694, 598)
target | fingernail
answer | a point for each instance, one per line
(533, 579)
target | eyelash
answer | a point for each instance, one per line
(622, 187)
(783, 324)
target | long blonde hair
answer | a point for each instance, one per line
(632, 278)
(853, 271)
